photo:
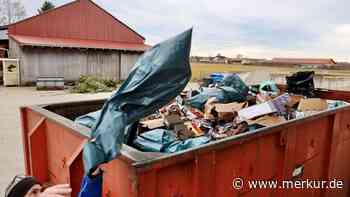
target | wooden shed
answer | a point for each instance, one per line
(79, 38)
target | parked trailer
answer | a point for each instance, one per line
(315, 148)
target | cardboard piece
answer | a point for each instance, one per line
(294, 99)
(172, 120)
(312, 104)
(270, 120)
(224, 111)
(153, 124)
(182, 132)
(256, 110)
(194, 128)
(208, 107)
(229, 107)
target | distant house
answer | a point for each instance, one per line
(234, 60)
(194, 58)
(303, 61)
(220, 59)
(205, 59)
(250, 61)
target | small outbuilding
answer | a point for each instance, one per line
(79, 38)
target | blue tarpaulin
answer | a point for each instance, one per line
(230, 89)
(162, 140)
(91, 186)
(159, 76)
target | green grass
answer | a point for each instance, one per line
(200, 70)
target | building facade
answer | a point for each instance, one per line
(79, 38)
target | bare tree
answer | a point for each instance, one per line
(11, 11)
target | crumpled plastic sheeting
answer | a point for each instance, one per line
(89, 119)
(231, 89)
(301, 83)
(158, 77)
(269, 88)
(91, 186)
(162, 140)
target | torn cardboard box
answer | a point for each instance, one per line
(256, 110)
(277, 104)
(172, 120)
(312, 104)
(183, 132)
(269, 120)
(222, 111)
(226, 111)
(153, 124)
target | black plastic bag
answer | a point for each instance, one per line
(301, 83)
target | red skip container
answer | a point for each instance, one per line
(315, 148)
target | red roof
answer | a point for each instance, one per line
(77, 43)
(303, 61)
(80, 19)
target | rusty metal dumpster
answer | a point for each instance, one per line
(316, 148)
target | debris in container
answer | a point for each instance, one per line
(226, 107)
(153, 124)
(229, 129)
(269, 88)
(183, 132)
(161, 140)
(172, 120)
(227, 111)
(275, 105)
(312, 104)
(154, 140)
(301, 83)
(231, 89)
(294, 100)
(208, 116)
(269, 120)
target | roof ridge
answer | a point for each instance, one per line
(73, 2)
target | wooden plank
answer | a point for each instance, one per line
(69, 63)
(128, 61)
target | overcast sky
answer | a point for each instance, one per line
(254, 28)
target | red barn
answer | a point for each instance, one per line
(79, 38)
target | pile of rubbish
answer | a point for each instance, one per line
(227, 107)
(153, 112)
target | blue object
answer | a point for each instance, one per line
(231, 89)
(216, 77)
(160, 75)
(91, 187)
(162, 140)
(89, 119)
(269, 88)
